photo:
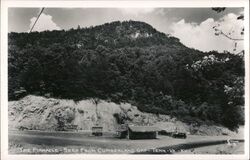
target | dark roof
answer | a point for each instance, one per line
(97, 127)
(143, 128)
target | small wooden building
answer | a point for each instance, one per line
(142, 132)
(97, 131)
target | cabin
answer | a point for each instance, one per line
(142, 132)
(97, 131)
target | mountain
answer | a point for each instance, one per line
(129, 62)
(114, 35)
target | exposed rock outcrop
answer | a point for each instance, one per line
(35, 112)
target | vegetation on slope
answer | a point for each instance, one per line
(129, 62)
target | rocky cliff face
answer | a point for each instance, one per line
(34, 112)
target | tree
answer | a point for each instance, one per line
(219, 31)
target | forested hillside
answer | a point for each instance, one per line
(129, 62)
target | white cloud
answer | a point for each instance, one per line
(45, 22)
(136, 11)
(202, 36)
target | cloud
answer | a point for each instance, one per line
(136, 11)
(45, 22)
(202, 36)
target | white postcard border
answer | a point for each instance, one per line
(114, 4)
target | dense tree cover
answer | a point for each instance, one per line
(129, 62)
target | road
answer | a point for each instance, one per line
(22, 142)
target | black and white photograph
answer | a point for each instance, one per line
(126, 80)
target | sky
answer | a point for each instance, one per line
(193, 26)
